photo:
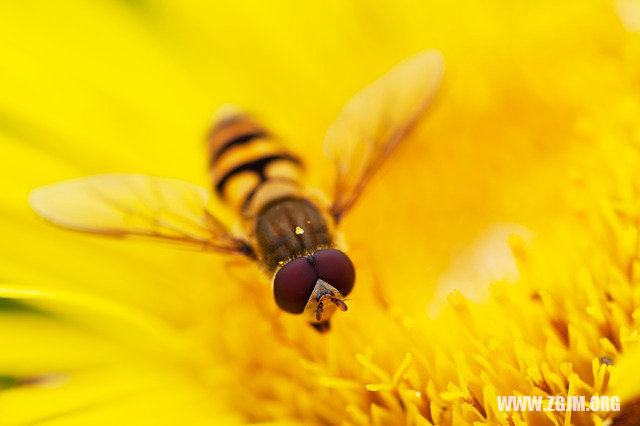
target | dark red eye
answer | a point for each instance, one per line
(334, 267)
(293, 285)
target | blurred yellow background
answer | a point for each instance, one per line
(536, 119)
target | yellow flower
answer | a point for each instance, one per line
(519, 193)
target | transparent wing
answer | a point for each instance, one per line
(375, 120)
(122, 205)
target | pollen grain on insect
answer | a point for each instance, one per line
(299, 230)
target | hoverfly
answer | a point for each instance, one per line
(291, 235)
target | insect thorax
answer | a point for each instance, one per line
(288, 228)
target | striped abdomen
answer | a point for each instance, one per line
(253, 173)
(249, 167)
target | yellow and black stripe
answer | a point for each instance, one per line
(249, 168)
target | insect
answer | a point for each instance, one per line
(289, 233)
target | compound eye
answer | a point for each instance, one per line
(294, 284)
(335, 267)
